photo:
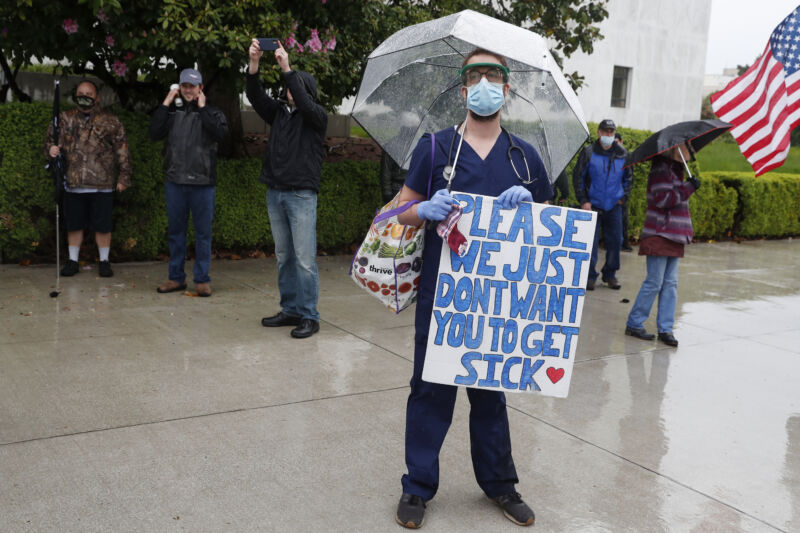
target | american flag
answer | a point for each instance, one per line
(763, 104)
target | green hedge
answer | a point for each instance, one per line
(728, 204)
(769, 206)
(349, 196)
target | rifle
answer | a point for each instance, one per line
(58, 170)
(58, 164)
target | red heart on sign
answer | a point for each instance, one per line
(555, 374)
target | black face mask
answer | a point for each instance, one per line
(84, 102)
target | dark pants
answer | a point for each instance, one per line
(428, 416)
(611, 223)
(181, 200)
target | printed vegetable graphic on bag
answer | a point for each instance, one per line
(389, 261)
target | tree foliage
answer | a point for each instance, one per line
(138, 47)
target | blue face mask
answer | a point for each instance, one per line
(485, 98)
(606, 141)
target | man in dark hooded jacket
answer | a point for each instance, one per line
(292, 168)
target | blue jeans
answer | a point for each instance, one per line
(661, 281)
(611, 223)
(293, 219)
(181, 200)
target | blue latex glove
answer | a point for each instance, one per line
(511, 197)
(437, 208)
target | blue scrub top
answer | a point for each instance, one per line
(490, 177)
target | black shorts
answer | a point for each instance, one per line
(88, 210)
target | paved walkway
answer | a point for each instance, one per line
(125, 410)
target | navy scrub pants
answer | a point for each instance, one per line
(428, 416)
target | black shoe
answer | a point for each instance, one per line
(590, 284)
(70, 268)
(626, 248)
(281, 319)
(515, 509)
(668, 339)
(410, 511)
(612, 283)
(105, 269)
(639, 333)
(306, 328)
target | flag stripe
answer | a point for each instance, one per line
(752, 118)
(745, 92)
(762, 122)
(733, 88)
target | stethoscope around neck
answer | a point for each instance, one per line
(449, 171)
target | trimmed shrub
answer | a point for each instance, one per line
(769, 206)
(713, 207)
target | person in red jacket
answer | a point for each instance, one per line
(667, 228)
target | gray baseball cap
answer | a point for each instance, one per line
(190, 75)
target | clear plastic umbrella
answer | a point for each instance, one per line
(411, 86)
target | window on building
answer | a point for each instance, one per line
(619, 86)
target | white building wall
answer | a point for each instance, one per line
(664, 43)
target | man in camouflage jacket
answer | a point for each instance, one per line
(94, 144)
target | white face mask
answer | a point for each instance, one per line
(606, 141)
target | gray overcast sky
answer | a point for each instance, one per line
(739, 30)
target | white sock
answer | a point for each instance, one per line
(104, 253)
(73, 253)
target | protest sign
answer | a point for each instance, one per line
(506, 315)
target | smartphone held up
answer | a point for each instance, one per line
(268, 44)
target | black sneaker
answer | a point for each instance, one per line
(105, 269)
(515, 509)
(70, 268)
(590, 284)
(410, 511)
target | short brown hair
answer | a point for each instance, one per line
(500, 59)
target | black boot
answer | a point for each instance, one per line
(306, 328)
(281, 319)
(70, 268)
(105, 269)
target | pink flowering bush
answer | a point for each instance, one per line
(109, 40)
(119, 68)
(314, 44)
(70, 26)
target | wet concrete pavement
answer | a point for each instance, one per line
(125, 410)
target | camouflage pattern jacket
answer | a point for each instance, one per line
(95, 146)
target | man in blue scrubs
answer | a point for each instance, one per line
(483, 167)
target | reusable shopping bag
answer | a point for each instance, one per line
(388, 263)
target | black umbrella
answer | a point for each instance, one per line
(698, 132)
(58, 171)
